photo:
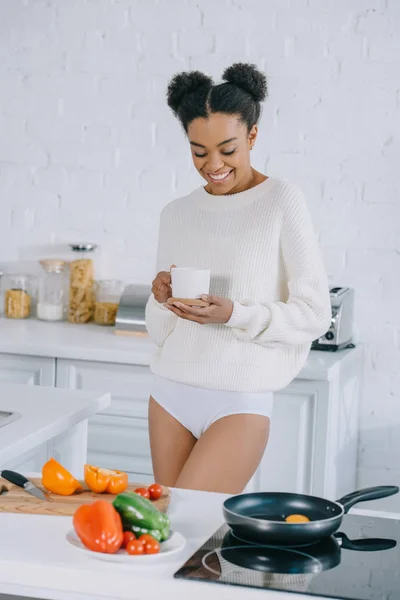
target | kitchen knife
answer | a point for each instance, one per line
(21, 481)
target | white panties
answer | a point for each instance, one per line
(198, 408)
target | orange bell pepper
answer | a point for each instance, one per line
(57, 479)
(99, 527)
(105, 480)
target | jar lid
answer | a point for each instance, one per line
(83, 247)
(52, 265)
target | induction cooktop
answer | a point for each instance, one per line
(360, 562)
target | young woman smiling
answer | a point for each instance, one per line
(216, 367)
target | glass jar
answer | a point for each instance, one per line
(1, 294)
(52, 293)
(108, 295)
(81, 284)
(18, 294)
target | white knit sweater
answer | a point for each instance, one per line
(261, 249)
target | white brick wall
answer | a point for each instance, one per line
(89, 149)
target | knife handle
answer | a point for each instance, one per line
(15, 478)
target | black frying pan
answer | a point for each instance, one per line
(260, 517)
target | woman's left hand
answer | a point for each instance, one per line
(219, 311)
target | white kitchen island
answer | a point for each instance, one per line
(49, 422)
(37, 562)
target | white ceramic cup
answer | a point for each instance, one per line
(190, 283)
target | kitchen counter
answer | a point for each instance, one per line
(93, 343)
(41, 564)
(47, 414)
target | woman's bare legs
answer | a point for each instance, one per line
(227, 455)
(171, 444)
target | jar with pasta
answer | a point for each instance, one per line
(108, 295)
(18, 293)
(81, 284)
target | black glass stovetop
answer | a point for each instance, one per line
(361, 562)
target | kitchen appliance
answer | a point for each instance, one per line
(361, 562)
(14, 499)
(260, 517)
(25, 484)
(131, 318)
(340, 332)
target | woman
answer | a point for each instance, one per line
(217, 366)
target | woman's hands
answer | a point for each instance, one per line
(161, 286)
(219, 311)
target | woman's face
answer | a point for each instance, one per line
(221, 152)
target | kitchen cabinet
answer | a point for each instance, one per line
(30, 370)
(289, 459)
(118, 437)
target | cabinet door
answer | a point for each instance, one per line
(129, 385)
(118, 436)
(30, 370)
(296, 453)
(121, 443)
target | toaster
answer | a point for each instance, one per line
(340, 332)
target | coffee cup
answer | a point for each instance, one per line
(189, 282)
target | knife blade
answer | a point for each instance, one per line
(28, 486)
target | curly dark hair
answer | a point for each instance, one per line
(193, 95)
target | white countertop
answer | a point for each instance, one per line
(41, 564)
(45, 413)
(92, 342)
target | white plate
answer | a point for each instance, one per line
(174, 544)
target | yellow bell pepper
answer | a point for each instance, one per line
(56, 479)
(105, 480)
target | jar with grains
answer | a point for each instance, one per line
(81, 284)
(52, 291)
(18, 293)
(108, 295)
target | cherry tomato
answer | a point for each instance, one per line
(155, 491)
(143, 492)
(146, 537)
(128, 537)
(150, 544)
(135, 547)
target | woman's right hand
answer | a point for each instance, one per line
(161, 286)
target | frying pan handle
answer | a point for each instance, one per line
(372, 493)
(366, 544)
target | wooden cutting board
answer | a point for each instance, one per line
(14, 499)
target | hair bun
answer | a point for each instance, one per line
(183, 84)
(248, 78)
